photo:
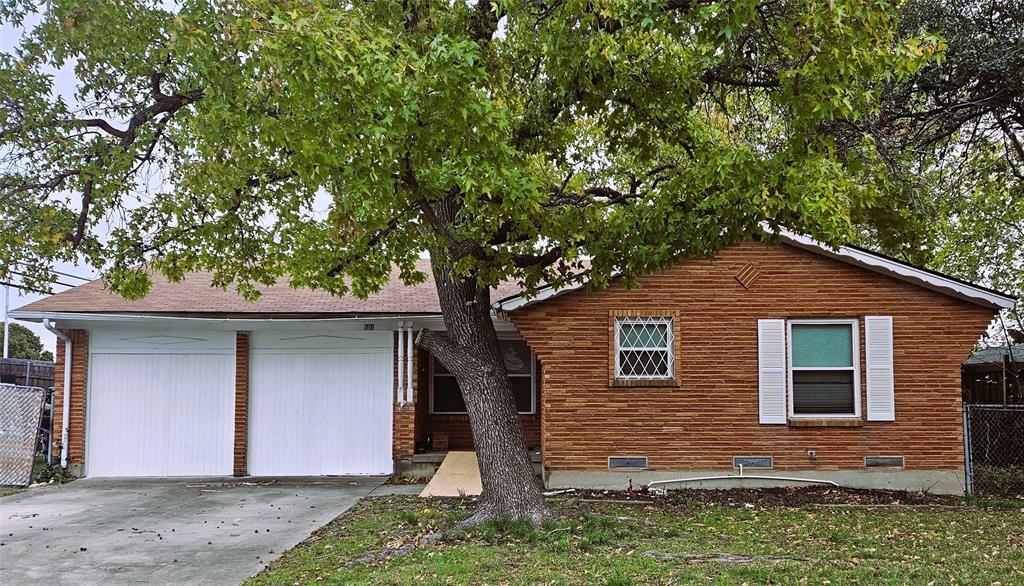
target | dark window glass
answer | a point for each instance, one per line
(522, 388)
(643, 363)
(825, 392)
(447, 396)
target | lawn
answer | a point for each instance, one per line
(808, 536)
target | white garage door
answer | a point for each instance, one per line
(320, 404)
(157, 413)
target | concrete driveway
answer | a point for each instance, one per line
(181, 531)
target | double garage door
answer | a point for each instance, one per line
(163, 404)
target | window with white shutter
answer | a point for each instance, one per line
(771, 366)
(879, 368)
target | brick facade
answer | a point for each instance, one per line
(241, 447)
(710, 414)
(79, 370)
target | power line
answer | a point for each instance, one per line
(63, 274)
(25, 288)
(55, 282)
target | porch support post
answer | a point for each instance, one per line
(404, 409)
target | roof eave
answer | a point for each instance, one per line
(904, 272)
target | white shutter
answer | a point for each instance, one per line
(878, 351)
(771, 367)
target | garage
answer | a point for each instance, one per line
(160, 403)
(320, 403)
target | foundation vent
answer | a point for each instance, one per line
(883, 461)
(752, 462)
(627, 462)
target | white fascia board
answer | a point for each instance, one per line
(80, 319)
(900, 270)
(520, 301)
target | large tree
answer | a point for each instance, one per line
(25, 344)
(522, 139)
(954, 130)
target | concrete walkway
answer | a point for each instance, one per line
(182, 531)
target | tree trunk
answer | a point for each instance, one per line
(470, 352)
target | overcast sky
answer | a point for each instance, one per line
(9, 38)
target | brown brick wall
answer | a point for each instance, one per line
(711, 415)
(241, 448)
(76, 421)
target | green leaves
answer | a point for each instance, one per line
(331, 142)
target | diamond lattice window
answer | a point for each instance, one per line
(643, 348)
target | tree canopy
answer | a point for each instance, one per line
(954, 131)
(25, 344)
(260, 138)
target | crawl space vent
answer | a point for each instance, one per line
(761, 462)
(883, 461)
(627, 462)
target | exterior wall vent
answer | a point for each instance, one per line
(627, 462)
(367, 327)
(883, 462)
(753, 462)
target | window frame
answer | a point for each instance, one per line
(670, 341)
(532, 375)
(854, 324)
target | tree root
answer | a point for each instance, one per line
(485, 514)
(720, 558)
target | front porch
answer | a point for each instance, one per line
(432, 421)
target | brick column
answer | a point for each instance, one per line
(241, 451)
(76, 420)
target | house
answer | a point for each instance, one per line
(784, 358)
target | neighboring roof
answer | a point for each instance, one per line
(849, 254)
(995, 355)
(196, 295)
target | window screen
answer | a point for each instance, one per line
(822, 365)
(643, 348)
(446, 397)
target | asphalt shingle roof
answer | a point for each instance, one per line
(995, 355)
(195, 295)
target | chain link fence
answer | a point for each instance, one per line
(994, 444)
(21, 417)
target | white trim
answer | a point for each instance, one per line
(669, 348)
(854, 351)
(901, 270)
(862, 258)
(408, 363)
(65, 414)
(532, 375)
(400, 358)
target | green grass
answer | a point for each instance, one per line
(605, 544)
(6, 490)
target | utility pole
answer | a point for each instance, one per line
(7, 318)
